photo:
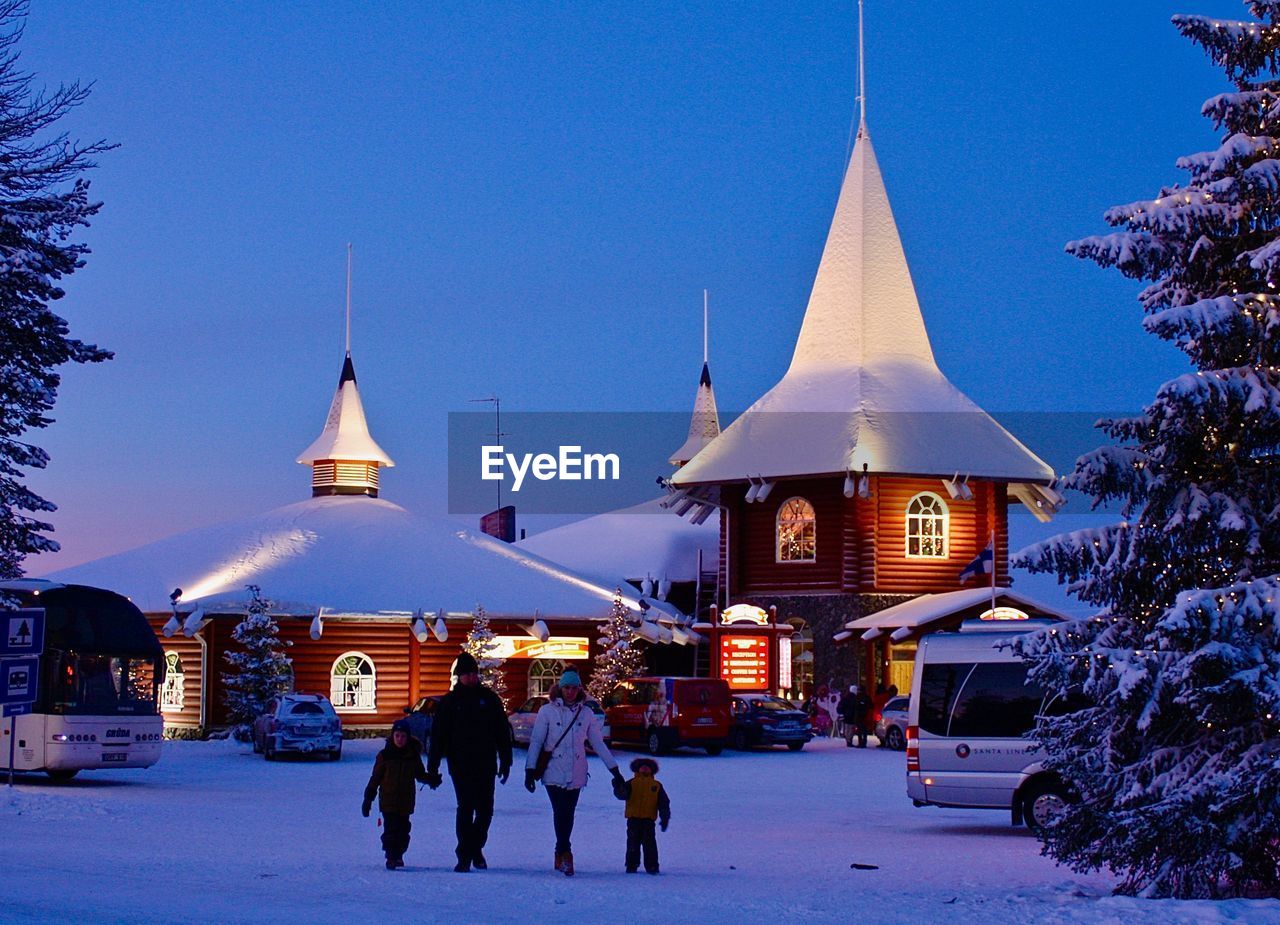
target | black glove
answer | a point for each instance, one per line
(434, 779)
(531, 781)
(365, 807)
(617, 776)
(504, 771)
(663, 824)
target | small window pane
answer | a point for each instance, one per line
(797, 531)
(938, 689)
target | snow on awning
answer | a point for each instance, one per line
(902, 620)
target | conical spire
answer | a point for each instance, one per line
(705, 424)
(345, 458)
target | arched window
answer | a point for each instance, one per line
(797, 531)
(174, 678)
(927, 527)
(543, 674)
(353, 683)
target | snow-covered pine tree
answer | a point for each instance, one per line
(619, 656)
(43, 199)
(482, 645)
(1176, 753)
(259, 669)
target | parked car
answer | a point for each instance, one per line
(419, 717)
(762, 719)
(664, 713)
(521, 719)
(300, 723)
(971, 710)
(891, 727)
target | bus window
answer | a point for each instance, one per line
(938, 688)
(996, 703)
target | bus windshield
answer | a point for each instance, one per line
(101, 685)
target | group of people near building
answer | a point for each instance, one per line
(852, 714)
(470, 734)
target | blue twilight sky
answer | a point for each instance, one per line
(538, 193)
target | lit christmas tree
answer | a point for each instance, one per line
(482, 645)
(1174, 751)
(259, 670)
(619, 656)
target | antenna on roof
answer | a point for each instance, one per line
(862, 76)
(704, 326)
(348, 299)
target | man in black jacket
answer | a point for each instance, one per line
(470, 730)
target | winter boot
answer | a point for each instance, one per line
(567, 867)
(463, 866)
(478, 861)
(560, 861)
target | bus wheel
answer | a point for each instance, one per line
(1042, 806)
(62, 775)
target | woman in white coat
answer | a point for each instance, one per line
(563, 728)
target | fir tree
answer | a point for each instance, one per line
(619, 656)
(259, 670)
(1173, 753)
(43, 200)
(482, 645)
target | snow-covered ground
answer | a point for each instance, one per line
(216, 834)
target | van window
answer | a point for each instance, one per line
(938, 688)
(996, 703)
(643, 693)
(702, 693)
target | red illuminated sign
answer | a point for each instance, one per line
(744, 661)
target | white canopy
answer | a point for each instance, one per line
(346, 432)
(863, 388)
(637, 542)
(919, 612)
(352, 555)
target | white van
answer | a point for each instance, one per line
(971, 707)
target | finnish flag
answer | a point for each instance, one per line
(984, 564)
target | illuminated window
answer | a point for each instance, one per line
(543, 674)
(797, 531)
(926, 527)
(171, 691)
(352, 683)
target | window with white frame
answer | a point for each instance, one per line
(544, 673)
(353, 683)
(174, 679)
(927, 522)
(797, 531)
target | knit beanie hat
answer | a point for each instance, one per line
(400, 725)
(465, 664)
(570, 677)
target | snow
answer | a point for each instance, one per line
(349, 554)
(926, 608)
(216, 834)
(346, 432)
(863, 388)
(644, 540)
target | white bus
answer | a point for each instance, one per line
(100, 674)
(972, 709)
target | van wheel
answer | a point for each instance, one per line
(1043, 805)
(654, 743)
(740, 741)
(62, 775)
(894, 739)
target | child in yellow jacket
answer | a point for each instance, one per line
(647, 802)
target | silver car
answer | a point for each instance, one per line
(891, 728)
(299, 723)
(521, 720)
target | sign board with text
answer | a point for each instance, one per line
(744, 661)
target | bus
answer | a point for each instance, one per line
(96, 697)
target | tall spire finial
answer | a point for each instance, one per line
(704, 326)
(862, 76)
(348, 299)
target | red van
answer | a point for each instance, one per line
(664, 713)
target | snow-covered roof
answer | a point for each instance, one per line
(346, 432)
(927, 608)
(642, 541)
(354, 555)
(863, 388)
(705, 425)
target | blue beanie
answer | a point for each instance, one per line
(570, 677)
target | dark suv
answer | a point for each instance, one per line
(762, 719)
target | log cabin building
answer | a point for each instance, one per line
(863, 478)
